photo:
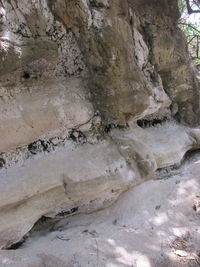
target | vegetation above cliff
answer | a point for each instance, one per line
(189, 23)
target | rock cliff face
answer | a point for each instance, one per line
(96, 96)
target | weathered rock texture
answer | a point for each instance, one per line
(96, 96)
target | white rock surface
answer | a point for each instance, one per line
(145, 228)
(46, 107)
(55, 183)
(166, 143)
(58, 182)
(73, 71)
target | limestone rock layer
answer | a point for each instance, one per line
(96, 96)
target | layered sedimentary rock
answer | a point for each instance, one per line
(95, 97)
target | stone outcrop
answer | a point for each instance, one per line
(153, 224)
(96, 96)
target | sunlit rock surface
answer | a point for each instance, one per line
(154, 224)
(96, 97)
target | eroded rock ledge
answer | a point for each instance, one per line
(95, 97)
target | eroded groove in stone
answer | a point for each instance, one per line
(144, 123)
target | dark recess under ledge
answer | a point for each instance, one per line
(146, 123)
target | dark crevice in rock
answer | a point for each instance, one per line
(166, 172)
(177, 117)
(98, 4)
(77, 137)
(18, 244)
(112, 126)
(23, 153)
(43, 225)
(2, 163)
(191, 155)
(26, 75)
(68, 212)
(47, 223)
(146, 123)
(39, 146)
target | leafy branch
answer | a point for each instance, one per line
(190, 9)
(191, 30)
(190, 26)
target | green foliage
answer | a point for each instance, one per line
(190, 29)
(182, 6)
